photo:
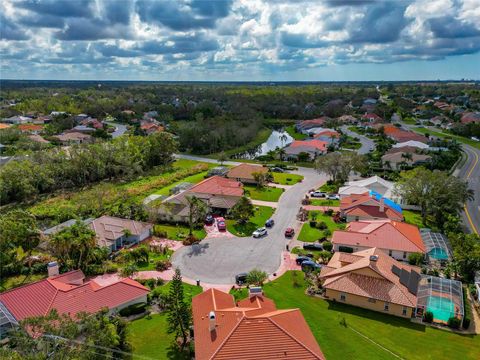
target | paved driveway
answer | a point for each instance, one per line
(218, 260)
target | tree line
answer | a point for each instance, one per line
(80, 165)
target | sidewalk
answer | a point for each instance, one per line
(265, 203)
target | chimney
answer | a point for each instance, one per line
(382, 204)
(52, 268)
(212, 323)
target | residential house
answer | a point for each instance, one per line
(405, 149)
(80, 117)
(245, 173)
(115, 233)
(313, 148)
(397, 239)
(369, 206)
(470, 117)
(30, 128)
(81, 129)
(332, 137)
(399, 135)
(41, 120)
(150, 127)
(306, 125)
(17, 120)
(218, 170)
(372, 280)
(347, 119)
(417, 144)
(73, 138)
(128, 112)
(66, 224)
(68, 293)
(4, 126)
(252, 328)
(370, 101)
(92, 123)
(400, 159)
(371, 118)
(218, 193)
(38, 139)
(150, 114)
(362, 186)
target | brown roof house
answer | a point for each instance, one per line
(373, 280)
(253, 328)
(245, 173)
(73, 138)
(218, 193)
(399, 159)
(115, 233)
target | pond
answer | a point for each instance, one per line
(276, 139)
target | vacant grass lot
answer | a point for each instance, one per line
(286, 178)
(309, 234)
(400, 336)
(149, 337)
(266, 193)
(194, 179)
(262, 214)
(179, 231)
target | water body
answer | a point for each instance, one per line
(277, 139)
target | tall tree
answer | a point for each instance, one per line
(197, 209)
(339, 165)
(178, 311)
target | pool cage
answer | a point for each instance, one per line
(437, 245)
(442, 297)
(7, 321)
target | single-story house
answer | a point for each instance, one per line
(470, 117)
(400, 135)
(371, 118)
(405, 149)
(218, 193)
(81, 129)
(150, 127)
(80, 117)
(313, 148)
(68, 293)
(30, 128)
(73, 138)
(66, 224)
(396, 160)
(115, 233)
(369, 206)
(375, 183)
(38, 139)
(397, 239)
(218, 170)
(347, 119)
(305, 125)
(372, 280)
(327, 135)
(244, 173)
(414, 143)
(17, 120)
(252, 328)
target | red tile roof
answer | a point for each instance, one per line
(373, 116)
(246, 171)
(329, 133)
(30, 127)
(383, 234)
(364, 205)
(217, 185)
(353, 278)
(251, 329)
(316, 144)
(67, 293)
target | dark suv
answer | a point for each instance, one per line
(241, 278)
(312, 246)
(299, 260)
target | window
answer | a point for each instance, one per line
(343, 297)
(357, 218)
(373, 301)
(390, 253)
(404, 254)
(404, 311)
(386, 306)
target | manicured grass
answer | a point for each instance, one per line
(309, 234)
(149, 337)
(297, 136)
(15, 281)
(286, 178)
(398, 335)
(152, 260)
(300, 251)
(194, 179)
(262, 214)
(266, 193)
(448, 135)
(413, 217)
(324, 202)
(179, 231)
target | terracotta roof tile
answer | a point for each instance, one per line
(246, 171)
(217, 185)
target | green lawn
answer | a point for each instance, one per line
(179, 232)
(400, 336)
(413, 217)
(191, 179)
(329, 188)
(309, 234)
(297, 136)
(152, 260)
(149, 337)
(286, 178)
(258, 220)
(15, 281)
(267, 193)
(448, 135)
(324, 202)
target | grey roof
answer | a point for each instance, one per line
(57, 228)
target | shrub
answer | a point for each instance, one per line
(327, 232)
(133, 309)
(313, 223)
(467, 309)
(321, 225)
(428, 316)
(328, 212)
(415, 259)
(110, 268)
(327, 246)
(454, 322)
(288, 179)
(162, 265)
(345, 249)
(190, 240)
(158, 232)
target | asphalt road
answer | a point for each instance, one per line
(218, 260)
(367, 144)
(120, 129)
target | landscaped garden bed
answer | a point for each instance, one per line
(312, 230)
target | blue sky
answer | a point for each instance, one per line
(240, 40)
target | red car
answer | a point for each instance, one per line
(289, 232)
(221, 224)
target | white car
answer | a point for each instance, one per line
(259, 232)
(317, 194)
(333, 197)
